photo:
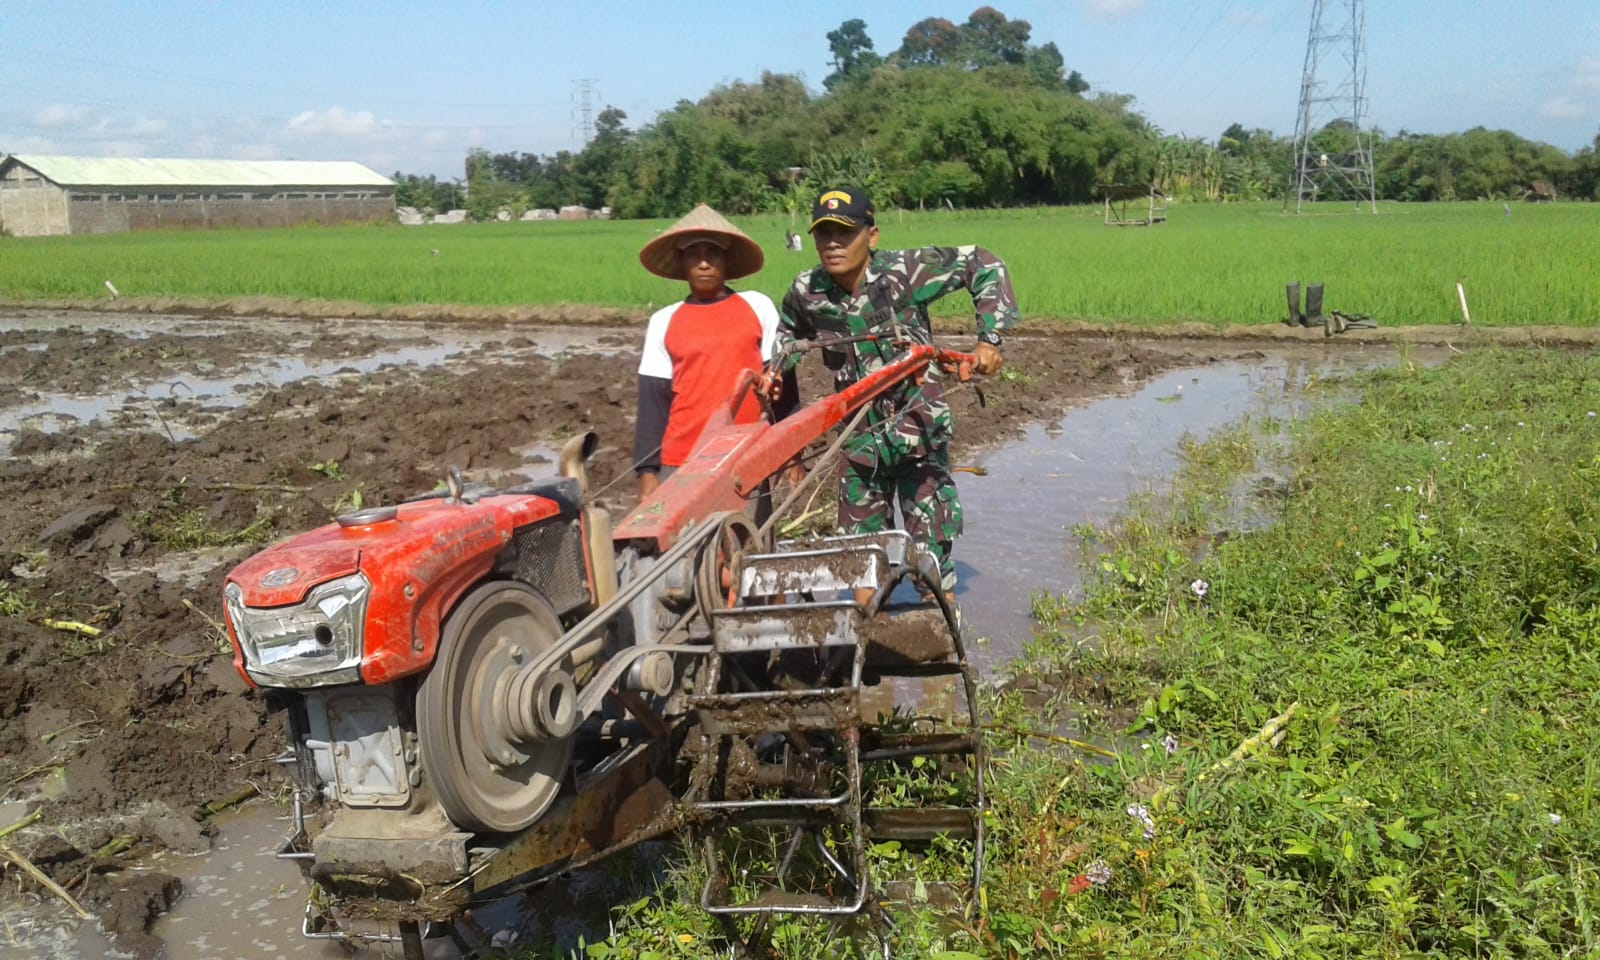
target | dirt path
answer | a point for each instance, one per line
(121, 715)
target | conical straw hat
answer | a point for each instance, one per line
(660, 256)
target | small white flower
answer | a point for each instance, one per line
(1555, 819)
(1589, 414)
(1098, 873)
(1422, 516)
(1200, 587)
(1139, 812)
(1170, 744)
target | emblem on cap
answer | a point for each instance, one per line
(280, 576)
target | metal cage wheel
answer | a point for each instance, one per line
(485, 781)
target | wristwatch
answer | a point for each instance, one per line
(991, 337)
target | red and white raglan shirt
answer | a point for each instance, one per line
(693, 355)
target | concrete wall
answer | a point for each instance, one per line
(31, 206)
(113, 212)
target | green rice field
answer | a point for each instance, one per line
(1211, 263)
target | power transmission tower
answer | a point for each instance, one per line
(584, 97)
(1333, 94)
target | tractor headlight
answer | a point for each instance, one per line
(315, 643)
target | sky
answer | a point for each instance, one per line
(411, 87)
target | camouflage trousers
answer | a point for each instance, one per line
(926, 492)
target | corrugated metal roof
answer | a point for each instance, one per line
(151, 172)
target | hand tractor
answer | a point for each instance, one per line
(488, 688)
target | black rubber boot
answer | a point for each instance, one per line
(1313, 317)
(1291, 293)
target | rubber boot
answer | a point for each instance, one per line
(1292, 294)
(1313, 316)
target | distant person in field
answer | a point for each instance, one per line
(901, 451)
(694, 350)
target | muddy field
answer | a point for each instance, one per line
(121, 716)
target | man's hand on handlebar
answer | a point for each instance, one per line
(770, 382)
(988, 359)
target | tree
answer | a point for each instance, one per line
(931, 42)
(1045, 66)
(427, 195)
(687, 156)
(989, 38)
(605, 150)
(487, 193)
(852, 52)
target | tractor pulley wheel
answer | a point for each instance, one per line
(717, 572)
(486, 777)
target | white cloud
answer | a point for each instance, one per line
(260, 151)
(147, 127)
(1115, 9)
(338, 122)
(1564, 108)
(43, 146)
(54, 115)
(123, 148)
(1587, 76)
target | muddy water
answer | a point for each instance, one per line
(136, 401)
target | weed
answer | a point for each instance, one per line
(177, 524)
(13, 602)
(328, 468)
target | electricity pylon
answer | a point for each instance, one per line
(1332, 145)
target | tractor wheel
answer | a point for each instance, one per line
(484, 781)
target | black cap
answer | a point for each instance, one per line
(846, 206)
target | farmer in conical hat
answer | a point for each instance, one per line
(694, 350)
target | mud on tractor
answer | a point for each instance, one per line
(486, 688)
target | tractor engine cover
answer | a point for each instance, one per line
(361, 600)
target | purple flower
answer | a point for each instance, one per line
(1098, 873)
(1200, 587)
(1170, 743)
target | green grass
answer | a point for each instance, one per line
(1426, 600)
(1211, 263)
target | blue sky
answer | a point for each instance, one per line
(411, 86)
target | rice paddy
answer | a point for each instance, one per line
(1527, 264)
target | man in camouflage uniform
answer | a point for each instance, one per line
(901, 450)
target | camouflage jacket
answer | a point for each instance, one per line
(895, 293)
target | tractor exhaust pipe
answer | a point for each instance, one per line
(602, 563)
